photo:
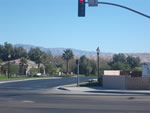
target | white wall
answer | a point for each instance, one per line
(114, 82)
(146, 69)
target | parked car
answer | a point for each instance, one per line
(38, 75)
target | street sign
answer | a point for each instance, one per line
(93, 3)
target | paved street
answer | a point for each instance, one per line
(29, 97)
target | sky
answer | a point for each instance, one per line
(55, 24)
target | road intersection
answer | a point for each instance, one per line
(53, 96)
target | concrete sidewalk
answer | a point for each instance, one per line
(73, 89)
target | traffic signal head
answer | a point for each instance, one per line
(81, 8)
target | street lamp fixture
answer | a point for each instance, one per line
(98, 52)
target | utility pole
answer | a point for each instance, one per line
(9, 56)
(77, 62)
(98, 52)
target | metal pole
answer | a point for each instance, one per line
(98, 51)
(9, 56)
(124, 7)
(98, 65)
(77, 73)
(8, 69)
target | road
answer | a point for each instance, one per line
(42, 84)
(28, 97)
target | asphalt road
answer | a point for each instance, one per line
(26, 97)
(41, 84)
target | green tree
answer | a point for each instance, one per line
(6, 51)
(23, 61)
(120, 66)
(133, 61)
(0, 65)
(35, 54)
(83, 64)
(104, 64)
(50, 69)
(20, 52)
(94, 67)
(14, 69)
(121, 62)
(15, 52)
(67, 55)
(33, 71)
(1, 52)
(87, 66)
(119, 58)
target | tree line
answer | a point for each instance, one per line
(67, 61)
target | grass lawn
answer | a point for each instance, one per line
(3, 78)
(89, 84)
(87, 76)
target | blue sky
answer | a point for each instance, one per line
(54, 23)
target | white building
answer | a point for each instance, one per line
(146, 69)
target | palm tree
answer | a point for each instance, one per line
(0, 65)
(36, 55)
(39, 61)
(67, 55)
(23, 61)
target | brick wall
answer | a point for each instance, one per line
(137, 83)
(126, 82)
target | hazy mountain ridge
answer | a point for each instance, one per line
(145, 57)
(57, 51)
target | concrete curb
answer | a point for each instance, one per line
(21, 80)
(97, 90)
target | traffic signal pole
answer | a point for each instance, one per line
(94, 3)
(124, 7)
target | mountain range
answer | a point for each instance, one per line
(57, 51)
(145, 57)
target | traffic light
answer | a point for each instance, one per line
(81, 8)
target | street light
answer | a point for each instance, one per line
(9, 56)
(98, 52)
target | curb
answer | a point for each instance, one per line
(21, 80)
(102, 91)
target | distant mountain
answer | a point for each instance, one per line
(145, 57)
(57, 51)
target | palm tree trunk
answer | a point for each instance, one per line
(67, 67)
(39, 68)
(22, 69)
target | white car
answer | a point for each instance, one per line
(38, 75)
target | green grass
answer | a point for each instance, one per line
(3, 77)
(91, 84)
(87, 75)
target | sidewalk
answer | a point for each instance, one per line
(73, 89)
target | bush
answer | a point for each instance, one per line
(33, 71)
